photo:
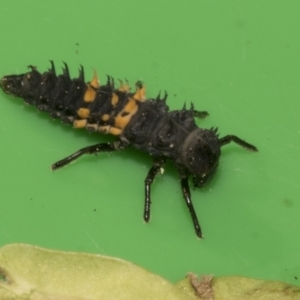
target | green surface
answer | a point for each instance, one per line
(239, 60)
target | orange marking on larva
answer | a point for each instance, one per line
(79, 123)
(105, 117)
(121, 122)
(115, 131)
(129, 110)
(114, 99)
(83, 113)
(95, 81)
(90, 94)
(131, 106)
(140, 94)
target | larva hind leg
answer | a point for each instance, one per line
(101, 147)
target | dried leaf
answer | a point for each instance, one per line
(33, 273)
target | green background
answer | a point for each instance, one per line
(239, 60)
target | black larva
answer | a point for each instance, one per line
(146, 124)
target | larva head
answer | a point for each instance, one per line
(21, 85)
(200, 155)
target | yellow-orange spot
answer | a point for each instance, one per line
(90, 94)
(123, 118)
(140, 94)
(105, 117)
(95, 81)
(79, 123)
(114, 99)
(83, 113)
(131, 106)
(115, 131)
(121, 122)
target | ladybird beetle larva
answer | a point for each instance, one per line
(146, 124)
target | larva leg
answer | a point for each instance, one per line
(102, 147)
(232, 138)
(155, 169)
(184, 180)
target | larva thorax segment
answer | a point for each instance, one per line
(199, 154)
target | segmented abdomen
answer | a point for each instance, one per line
(96, 107)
